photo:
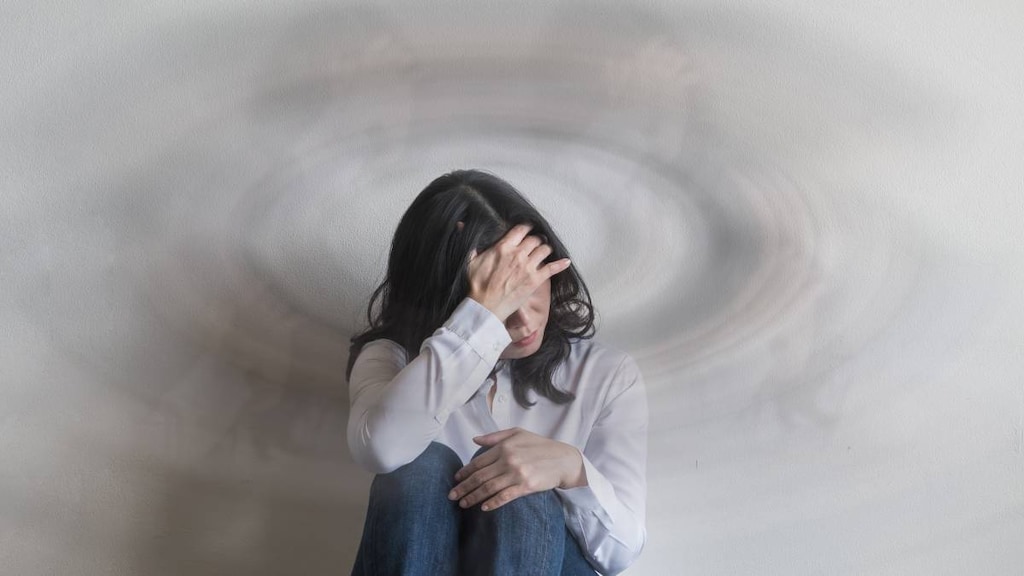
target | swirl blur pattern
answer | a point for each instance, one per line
(803, 222)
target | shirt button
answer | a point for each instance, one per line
(501, 398)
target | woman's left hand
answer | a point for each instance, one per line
(516, 464)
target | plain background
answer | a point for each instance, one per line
(801, 219)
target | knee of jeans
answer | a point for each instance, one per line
(537, 504)
(546, 500)
(437, 460)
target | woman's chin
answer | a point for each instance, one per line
(514, 352)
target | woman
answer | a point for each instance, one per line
(481, 304)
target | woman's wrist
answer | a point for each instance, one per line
(577, 475)
(493, 308)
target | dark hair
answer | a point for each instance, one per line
(427, 275)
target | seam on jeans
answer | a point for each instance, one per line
(368, 567)
(547, 546)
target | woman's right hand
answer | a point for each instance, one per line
(503, 277)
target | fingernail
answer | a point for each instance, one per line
(452, 495)
(485, 507)
(463, 503)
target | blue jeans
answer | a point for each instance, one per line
(412, 528)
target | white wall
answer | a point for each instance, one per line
(801, 218)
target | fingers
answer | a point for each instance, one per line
(504, 275)
(495, 437)
(516, 234)
(486, 459)
(529, 244)
(497, 492)
(555, 267)
(505, 496)
(520, 463)
(519, 238)
(487, 488)
(539, 254)
(473, 476)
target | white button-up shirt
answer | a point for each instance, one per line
(398, 407)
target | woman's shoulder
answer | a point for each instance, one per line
(385, 343)
(596, 353)
(600, 366)
(382, 350)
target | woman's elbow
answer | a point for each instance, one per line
(376, 461)
(377, 465)
(373, 456)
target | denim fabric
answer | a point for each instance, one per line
(413, 529)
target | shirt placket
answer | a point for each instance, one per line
(502, 400)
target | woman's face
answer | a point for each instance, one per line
(526, 325)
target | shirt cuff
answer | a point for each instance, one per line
(480, 328)
(595, 499)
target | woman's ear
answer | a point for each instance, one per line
(460, 225)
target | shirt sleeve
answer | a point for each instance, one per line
(608, 515)
(397, 408)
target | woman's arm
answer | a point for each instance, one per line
(608, 515)
(397, 409)
(605, 507)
